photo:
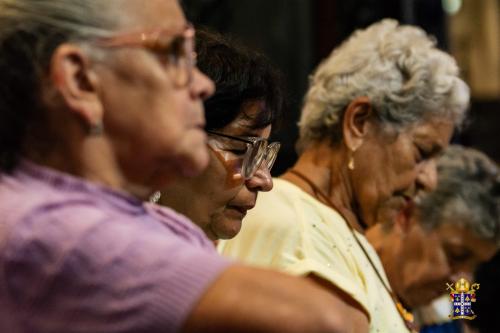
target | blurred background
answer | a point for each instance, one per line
(297, 34)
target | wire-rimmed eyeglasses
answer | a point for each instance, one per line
(255, 151)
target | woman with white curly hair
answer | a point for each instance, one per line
(378, 111)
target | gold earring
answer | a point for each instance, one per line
(350, 164)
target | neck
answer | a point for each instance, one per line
(92, 159)
(326, 167)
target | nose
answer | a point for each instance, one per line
(427, 177)
(441, 269)
(201, 86)
(261, 180)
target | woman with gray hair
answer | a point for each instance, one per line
(449, 232)
(101, 104)
(378, 111)
(467, 197)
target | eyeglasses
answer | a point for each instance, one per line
(253, 153)
(178, 52)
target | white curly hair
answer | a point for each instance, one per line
(397, 67)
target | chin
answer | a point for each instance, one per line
(229, 230)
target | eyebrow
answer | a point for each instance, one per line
(431, 148)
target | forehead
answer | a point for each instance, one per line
(433, 131)
(246, 119)
(152, 14)
(457, 235)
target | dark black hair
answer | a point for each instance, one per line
(241, 76)
(487, 275)
(22, 66)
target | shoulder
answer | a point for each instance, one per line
(287, 211)
(285, 206)
(96, 259)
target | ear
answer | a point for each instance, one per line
(356, 122)
(77, 83)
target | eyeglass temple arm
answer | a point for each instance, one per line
(229, 136)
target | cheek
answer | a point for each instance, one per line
(153, 118)
(398, 161)
(403, 170)
(220, 181)
(169, 112)
(383, 174)
(233, 178)
(228, 170)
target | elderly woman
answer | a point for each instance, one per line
(240, 115)
(378, 111)
(451, 231)
(100, 105)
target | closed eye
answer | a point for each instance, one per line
(237, 151)
(424, 154)
(169, 53)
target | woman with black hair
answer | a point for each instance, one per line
(239, 118)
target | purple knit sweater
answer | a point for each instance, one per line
(78, 257)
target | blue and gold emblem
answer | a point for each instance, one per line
(462, 295)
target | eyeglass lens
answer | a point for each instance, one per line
(182, 60)
(253, 158)
(260, 152)
(253, 152)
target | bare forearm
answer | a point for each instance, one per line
(254, 300)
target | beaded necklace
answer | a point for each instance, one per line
(406, 315)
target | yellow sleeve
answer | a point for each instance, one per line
(289, 233)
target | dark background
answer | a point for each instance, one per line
(297, 34)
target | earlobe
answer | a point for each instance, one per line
(77, 84)
(356, 121)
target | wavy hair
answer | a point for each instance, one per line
(468, 194)
(241, 75)
(398, 67)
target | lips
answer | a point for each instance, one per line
(235, 213)
(240, 211)
(199, 121)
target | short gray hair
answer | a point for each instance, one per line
(398, 67)
(30, 31)
(468, 193)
